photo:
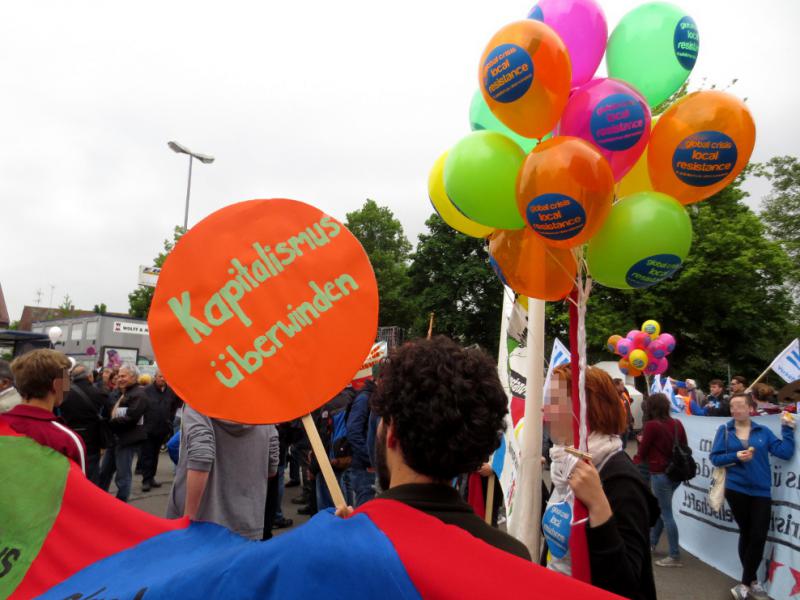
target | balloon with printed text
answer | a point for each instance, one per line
(644, 240)
(654, 48)
(445, 208)
(612, 116)
(651, 328)
(668, 340)
(531, 268)
(480, 175)
(638, 359)
(581, 24)
(564, 191)
(700, 144)
(611, 344)
(524, 76)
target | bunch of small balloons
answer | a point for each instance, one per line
(559, 158)
(643, 350)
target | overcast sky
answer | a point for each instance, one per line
(326, 102)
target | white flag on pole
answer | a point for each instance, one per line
(656, 387)
(787, 363)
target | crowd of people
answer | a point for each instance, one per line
(402, 435)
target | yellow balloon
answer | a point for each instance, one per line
(651, 328)
(446, 209)
(638, 178)
(638, 359)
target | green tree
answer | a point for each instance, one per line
(388, 249)
(139, 299)
(780, 210)
(100, 309)
(451, 277)
(66, 308)
(728, 306)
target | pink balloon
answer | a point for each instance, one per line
(624, 346)
(581, 24)
(614, 117)
(652, 367)
(668, 341)
(657, 349)
(631, 335)
(641, 340)
(663, 365)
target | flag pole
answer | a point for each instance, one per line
(759, 378)
(528, 504)
(430, 327)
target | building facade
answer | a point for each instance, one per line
(114, 338)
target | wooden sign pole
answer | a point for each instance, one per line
(489, 498)
(324, 462)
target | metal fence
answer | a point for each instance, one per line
(393, 336)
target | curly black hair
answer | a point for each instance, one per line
(446, 404)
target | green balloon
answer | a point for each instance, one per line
(481, 117)
(654, 48)
(480, 177)
(644, 240)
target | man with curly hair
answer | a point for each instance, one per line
(442, 412)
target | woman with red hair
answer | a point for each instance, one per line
(621, 506)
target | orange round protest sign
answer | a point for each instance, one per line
(263, 311)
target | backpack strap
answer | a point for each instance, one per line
(675, 437)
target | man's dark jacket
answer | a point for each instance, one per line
(85, 414)
(129, 428)
(161, 407)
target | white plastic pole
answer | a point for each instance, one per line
(528, 503)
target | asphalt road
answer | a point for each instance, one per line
(694, 581)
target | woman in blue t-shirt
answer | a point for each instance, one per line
(743, 447)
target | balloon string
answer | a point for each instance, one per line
(584, 289)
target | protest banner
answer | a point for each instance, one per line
(264, 311)
(713, 536)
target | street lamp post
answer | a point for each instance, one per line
(203, 158)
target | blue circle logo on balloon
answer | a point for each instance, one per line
(555, 216)
(556, 527)
(536, 14)
(507, 73)
(686, 41)
(618, 122)
(704, 158)
(649, 271)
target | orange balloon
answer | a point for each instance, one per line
(525, 77)
(700, 145)
(529, 267)
(564, 191)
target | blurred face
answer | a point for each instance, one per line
(716, 390)
(61, 386)
(737, 386)
(739, 409)
(125, 378)
(107, 373)
(558, 411)
(159, 380)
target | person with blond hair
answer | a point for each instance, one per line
(42, 377)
